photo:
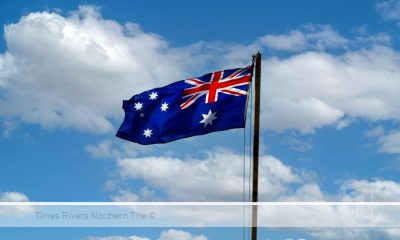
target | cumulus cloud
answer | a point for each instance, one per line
(375, 132)
(387, 141)
(315, 89)
(304, 114)
(337, 233)
(13, 197)
(318, 37)
(9, 127)
(102, 150)
(219, 176)
(73, 72)
(390, 143)
(378, 190)
(388, 233)
(203, 179)
(116, 238)
(171, 234)
(354, 191)
(389, 9)
(297, 144)
(222, 169)
(115, 149)
(19, 211)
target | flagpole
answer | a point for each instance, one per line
(256, 143)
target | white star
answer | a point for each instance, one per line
(138, 106)
(208, 118)
(164, 107)
(147, 133)
(153, 95)
(142, 115)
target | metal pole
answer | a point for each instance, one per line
(256, 144)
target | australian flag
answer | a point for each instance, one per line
(195, 106)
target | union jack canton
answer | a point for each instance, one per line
(195, 106)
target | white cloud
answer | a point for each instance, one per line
(13, 197)
(74, 71)
(318, 37)
(297, 144)
(315, 89)
(377, 191)
(221, 169)
(304, 114)
(390, 143)
(382, 190)
(171, 234)
(389, 233)
(221, 174)
(337, 233)
(116, 238)
(190, 180)
(9, 127)
(115, 149)
(294, 40)
(127, 195)
(375, 132)
(102, 150)
(387, 141)
(389, 9)
(19, 211)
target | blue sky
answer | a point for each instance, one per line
(330, 103)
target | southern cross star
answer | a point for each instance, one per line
(138, 106)
(164, 107)
(208, 118)
(153, 95)
(147, 133)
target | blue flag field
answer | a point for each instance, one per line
(195, 106)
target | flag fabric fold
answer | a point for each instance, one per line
(195, 106)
